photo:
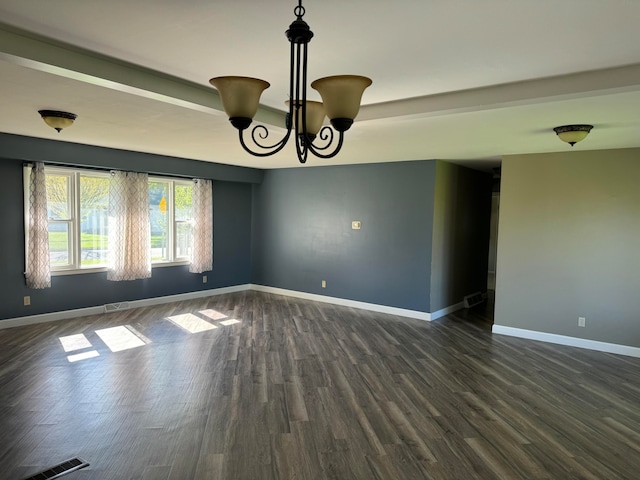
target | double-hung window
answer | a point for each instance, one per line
(170, 204)
(78, 219)
(77, 208)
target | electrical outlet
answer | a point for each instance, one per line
(204, 279)
(27, 300)
(324, 284)
(582, 322)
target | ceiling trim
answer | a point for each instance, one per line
(25, 49)
(76, 64)
(552, 89)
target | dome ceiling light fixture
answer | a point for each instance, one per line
(57, 120)
(341, 96)
(572, 134)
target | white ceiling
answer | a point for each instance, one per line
(460, 80)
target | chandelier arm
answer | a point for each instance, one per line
(317, 150)
(269, 149)
(326, 135)
(260, 132)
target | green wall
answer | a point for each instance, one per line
(569, 245)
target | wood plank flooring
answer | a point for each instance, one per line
(296, 389)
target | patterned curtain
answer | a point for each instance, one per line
(202, 257)
(38, 273)
(129, 227)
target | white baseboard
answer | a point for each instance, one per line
(83, 312)
(401, 312)
(145, 302)
(569, 341)
(50, 317)
(497, 329)
(447, 310)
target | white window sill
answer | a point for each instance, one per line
(77, 271)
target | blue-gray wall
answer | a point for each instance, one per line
(232, 229)
(287, 229)
(302, 232)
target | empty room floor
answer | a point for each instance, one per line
(252, 385)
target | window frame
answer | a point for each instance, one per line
(74, 266)
(172, 243)
(70, 221)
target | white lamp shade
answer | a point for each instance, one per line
(58, 122)
(57, 119)
(341, 94)
(573, 137)
(240, 95)
(315, 116)
(572, 134)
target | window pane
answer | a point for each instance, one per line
(94, 217)
(158, 213)
(59, 244)
(184, 219)
(183, 239)
(58, 198)
(184, 202)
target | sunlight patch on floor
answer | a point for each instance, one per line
(71, 343)
(82, 356)
(120, 338)
(191, 323)
(231, 321)
(125, 337)
(212, 314)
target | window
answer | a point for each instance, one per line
(77, 204)
(78, 209)
(171, 218)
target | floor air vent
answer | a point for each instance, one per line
(473, 300)
(59, 470)
(114, 307)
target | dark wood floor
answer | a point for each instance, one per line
(305, 390)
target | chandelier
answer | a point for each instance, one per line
(341, 96)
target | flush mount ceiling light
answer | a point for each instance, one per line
(572, 134)
(57, 120)
(341, 96)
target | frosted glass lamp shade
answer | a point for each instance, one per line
(56, 119)
(315, 116)
(572, 134)
(341, 94)
(240, 95)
